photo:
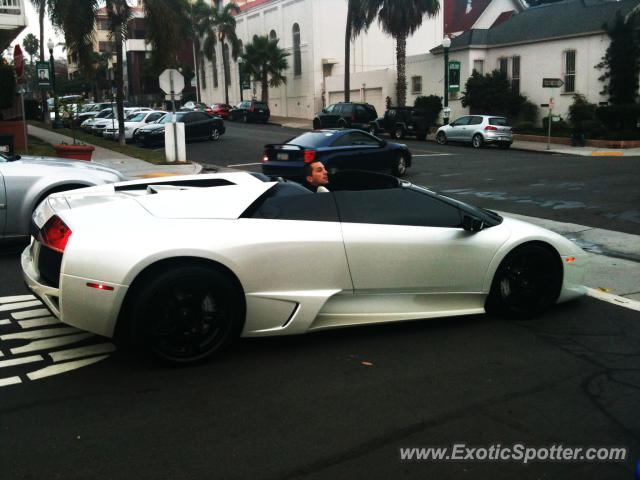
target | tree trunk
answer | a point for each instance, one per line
(225, 64)
(119, 86)
(43, 94)
(196, 65)
(401, 57)
(347, 55)
(265, 87)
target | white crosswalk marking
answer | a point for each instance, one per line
(38, 322)
(82, 352)
(63, 367)
(20, 360)
(30, 314)
(45, 333)
(17, 298)
(5, 322)
(9, 381)
(51, 343)
(18, 306)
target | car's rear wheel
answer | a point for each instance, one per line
(477, 141)
(441, 138)
(527, 282)
(373, 130)
(186, 314)
(215, 134)
(399, 133)
(399, 166)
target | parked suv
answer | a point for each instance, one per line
(250, 111)
(345, 115)
(400, 122)
(477, 130)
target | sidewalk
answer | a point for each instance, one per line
(304, 123)
(130, 167)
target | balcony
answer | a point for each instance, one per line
(12, 21)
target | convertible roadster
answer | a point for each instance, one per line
(181, 266)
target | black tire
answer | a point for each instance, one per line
(527, 282)
(373, 131)
(477, 141)
(342, 124)
(504, 145)
(317, 125)
(441, 138)
(215, 134)
(399, 133)
(185, 315)
(399, 166)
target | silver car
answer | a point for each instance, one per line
(26, 181)
(478, 130)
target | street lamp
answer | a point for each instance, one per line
(446, 43)
(50, 46)
(240, 62)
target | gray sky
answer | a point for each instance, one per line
(34, 27)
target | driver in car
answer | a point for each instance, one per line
(317, 177)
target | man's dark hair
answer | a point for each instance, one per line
(308, 169)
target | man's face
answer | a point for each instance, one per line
(318, 175)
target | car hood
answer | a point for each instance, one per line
(152, 128)
(61, 163)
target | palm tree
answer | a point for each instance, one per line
(119, 13)
(401, 18)
(168, 23)
(202, 29)
(225, 24)
(265, 61)
(31, 45)
(360, 15)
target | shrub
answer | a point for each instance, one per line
(619, 117)
(7, 85)
(582, 114)
(558, 127)
(431, 105)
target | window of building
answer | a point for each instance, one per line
(273, 35)
(103, 24)
(515, 74)
(105, 47)
(503, 66)
(570, 71)
(416, 84)
(478, 66)
(297, 57)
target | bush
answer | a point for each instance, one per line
(619, 117)
(582, 116)
(7, 85)
(528, 113)
(32, 109)
(431, 105)
(525, 127)
(560, 127)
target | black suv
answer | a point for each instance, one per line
(345, 115)
(400, 122)
(250, 111)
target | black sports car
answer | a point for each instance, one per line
(196, 125)
(337, 149)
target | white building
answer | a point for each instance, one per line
(12, 21)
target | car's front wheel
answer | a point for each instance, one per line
(399, 166)
(441, 138)
(477, 141)
(215, 134)
(186, 314)
(399, 133)
(527, 282)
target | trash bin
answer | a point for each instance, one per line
(7, 142)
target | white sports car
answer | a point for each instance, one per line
(182, 265)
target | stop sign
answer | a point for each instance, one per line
(171, 81)
(18, 61)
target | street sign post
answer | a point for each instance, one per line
(172, 83)
(552, 83)
(43, 70)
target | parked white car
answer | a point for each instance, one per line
(111, 120)
(478, 130)
(133, 122)
(88, 123)
(181, 266)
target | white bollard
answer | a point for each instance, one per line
(170, 146)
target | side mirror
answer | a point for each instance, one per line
(472, 224)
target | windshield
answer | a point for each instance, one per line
(104, 114)
(313, 139)
(138, 117)
(167, 118)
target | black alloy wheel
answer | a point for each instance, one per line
(186, 314)
(215, 134)
(441, 138)
(527, 282)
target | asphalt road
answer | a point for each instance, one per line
(595, 191)
(333, 405)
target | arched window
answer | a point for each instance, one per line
(214, 60)
(273, 35)
(297, 57)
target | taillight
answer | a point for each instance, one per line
(55, 234)
(251, 109)
(490, 127)
(353, 118)
(265, 157)
(309, 156)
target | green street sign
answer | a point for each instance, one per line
(43, 75)
(454, 76)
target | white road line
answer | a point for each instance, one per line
(243, 164)
(64, 367)
(30, 314)
(18, 306)
(51, 343)
(431, 154)
(17, 298)
(615, 299)
(82, 352)
(38, 322)
(19, 361)
(43, 333)
(5, 322)
(9, 381)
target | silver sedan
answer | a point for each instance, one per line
(26, 181)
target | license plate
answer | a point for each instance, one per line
(261, 111)
(282, 156)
